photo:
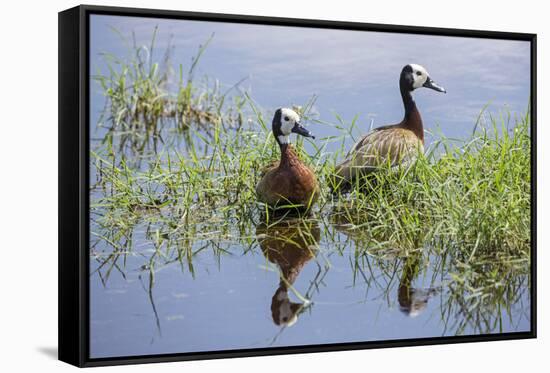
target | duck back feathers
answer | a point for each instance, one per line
(386, 146)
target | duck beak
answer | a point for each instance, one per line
(300, 130)
(431, 84)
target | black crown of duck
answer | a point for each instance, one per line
(288, 182)
(397, 144)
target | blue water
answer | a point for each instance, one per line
(227, 301)
(353, 73)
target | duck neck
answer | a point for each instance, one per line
(288, 156)
(412, 119)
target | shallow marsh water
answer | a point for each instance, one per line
(296, 282)
(237, 299)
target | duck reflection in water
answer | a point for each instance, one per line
(412, 301)
(289, 244)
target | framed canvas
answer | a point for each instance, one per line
(234, 186)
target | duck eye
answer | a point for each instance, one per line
(419, 73)
(286, 119)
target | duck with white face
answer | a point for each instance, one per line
(395, 145)
(420, 78)
(288, 183)
(285, 122)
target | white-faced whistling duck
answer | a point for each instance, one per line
(288, 182)
(394, 145)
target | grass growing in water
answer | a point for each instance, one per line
(476, 195)
(140, 101)
(467, 205)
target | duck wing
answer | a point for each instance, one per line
(391, 145)
(264, 170)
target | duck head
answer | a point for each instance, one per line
(283, 311)
(414, 76)
(285, 122)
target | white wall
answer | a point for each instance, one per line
(28, 187)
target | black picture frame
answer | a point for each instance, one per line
(74, 180)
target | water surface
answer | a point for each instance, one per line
(297, 284)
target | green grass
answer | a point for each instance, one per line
(466, 204)
(477, 194)
(141, 104)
